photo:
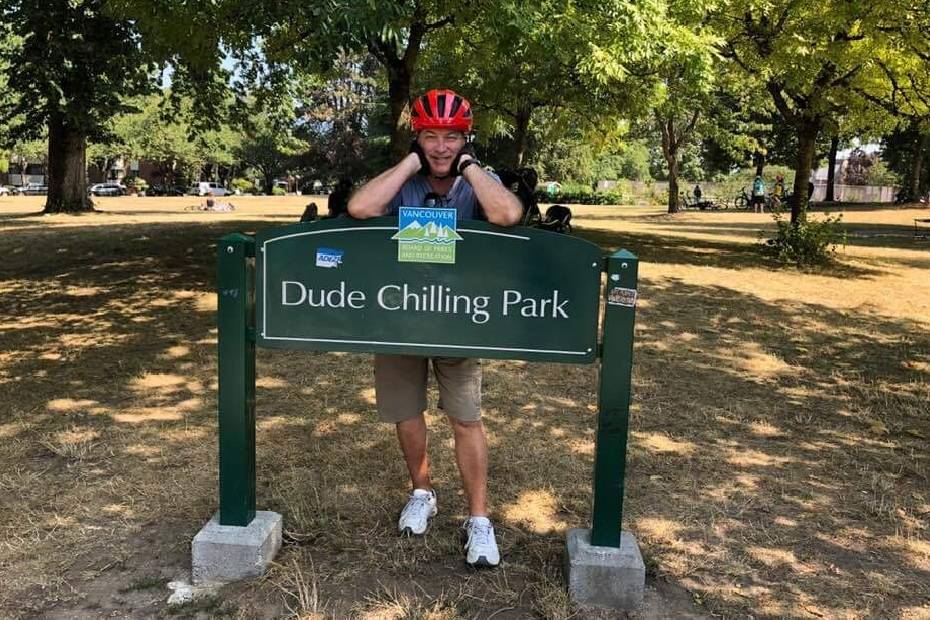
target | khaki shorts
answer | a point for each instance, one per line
(400, 386)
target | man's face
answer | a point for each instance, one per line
(441, 146)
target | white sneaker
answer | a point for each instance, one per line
(420, 508)
(481, 546)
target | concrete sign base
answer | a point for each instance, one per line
(225, 553)
(604, 576)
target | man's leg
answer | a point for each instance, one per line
(412, 436)
(400, 387)
(471, 455)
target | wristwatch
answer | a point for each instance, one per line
(467, 163)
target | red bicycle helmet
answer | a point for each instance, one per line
(441, 109)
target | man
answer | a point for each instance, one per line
(441, 169)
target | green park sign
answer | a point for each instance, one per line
(340, 285)
(422, 284)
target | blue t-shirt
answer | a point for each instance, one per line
(461, 197)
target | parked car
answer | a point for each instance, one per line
(108, 189)
(6, 191)
(165, 190)
(34, 189)
(204, 188)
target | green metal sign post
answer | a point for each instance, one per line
(512, 293)
(236, 365)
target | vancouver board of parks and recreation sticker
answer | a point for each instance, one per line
(426, 235)
(622, 296)
(328, 257)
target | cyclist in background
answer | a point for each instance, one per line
(778, 191)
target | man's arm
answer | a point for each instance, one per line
(372, 198)
(500, 206)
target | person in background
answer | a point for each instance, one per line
(339, 198)
(778, 191)
(310, 213)
(758, 194)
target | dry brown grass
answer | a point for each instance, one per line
(778, 462)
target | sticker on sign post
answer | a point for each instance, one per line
(618, 296)
(426, 235)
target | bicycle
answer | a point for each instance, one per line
(703, 205)
(742, 201)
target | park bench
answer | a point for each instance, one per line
(375, 286)
(922, 228)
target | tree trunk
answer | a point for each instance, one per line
(831, 169)
(917, 163)
(807, 130)
(760, 164)
(399, 97)
(67, 169)
(269, 184)
(672, 160)
(670, 143)
(520, 134)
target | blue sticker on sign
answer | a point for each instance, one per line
(328, 257)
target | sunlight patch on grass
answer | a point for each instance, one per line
(537, 511)
(83, 291)
(368, 395)
(745, 457)
(660, 529)
(205, 302)
(269, 422)
(148, 414)
(143, 450)
(582, 448)
(348, 419)
(177, 351)
(660, 443)
(271, 383)
(772, 557)
(763, 428)
(121, 510)
(754, 360)
(916, 550)
(66, 405)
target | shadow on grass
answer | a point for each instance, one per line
(777, 450)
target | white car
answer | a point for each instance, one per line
(108, 189)
(5, 191)
(205, 188)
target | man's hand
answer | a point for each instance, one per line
(467, 152)
(424, 163)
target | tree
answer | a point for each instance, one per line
(314, 34)
(341, 121)
(899, 85)
(684, 67)
(513, 62)
(74, 66)
(269, 146)
(808, 55)
(907, 152)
